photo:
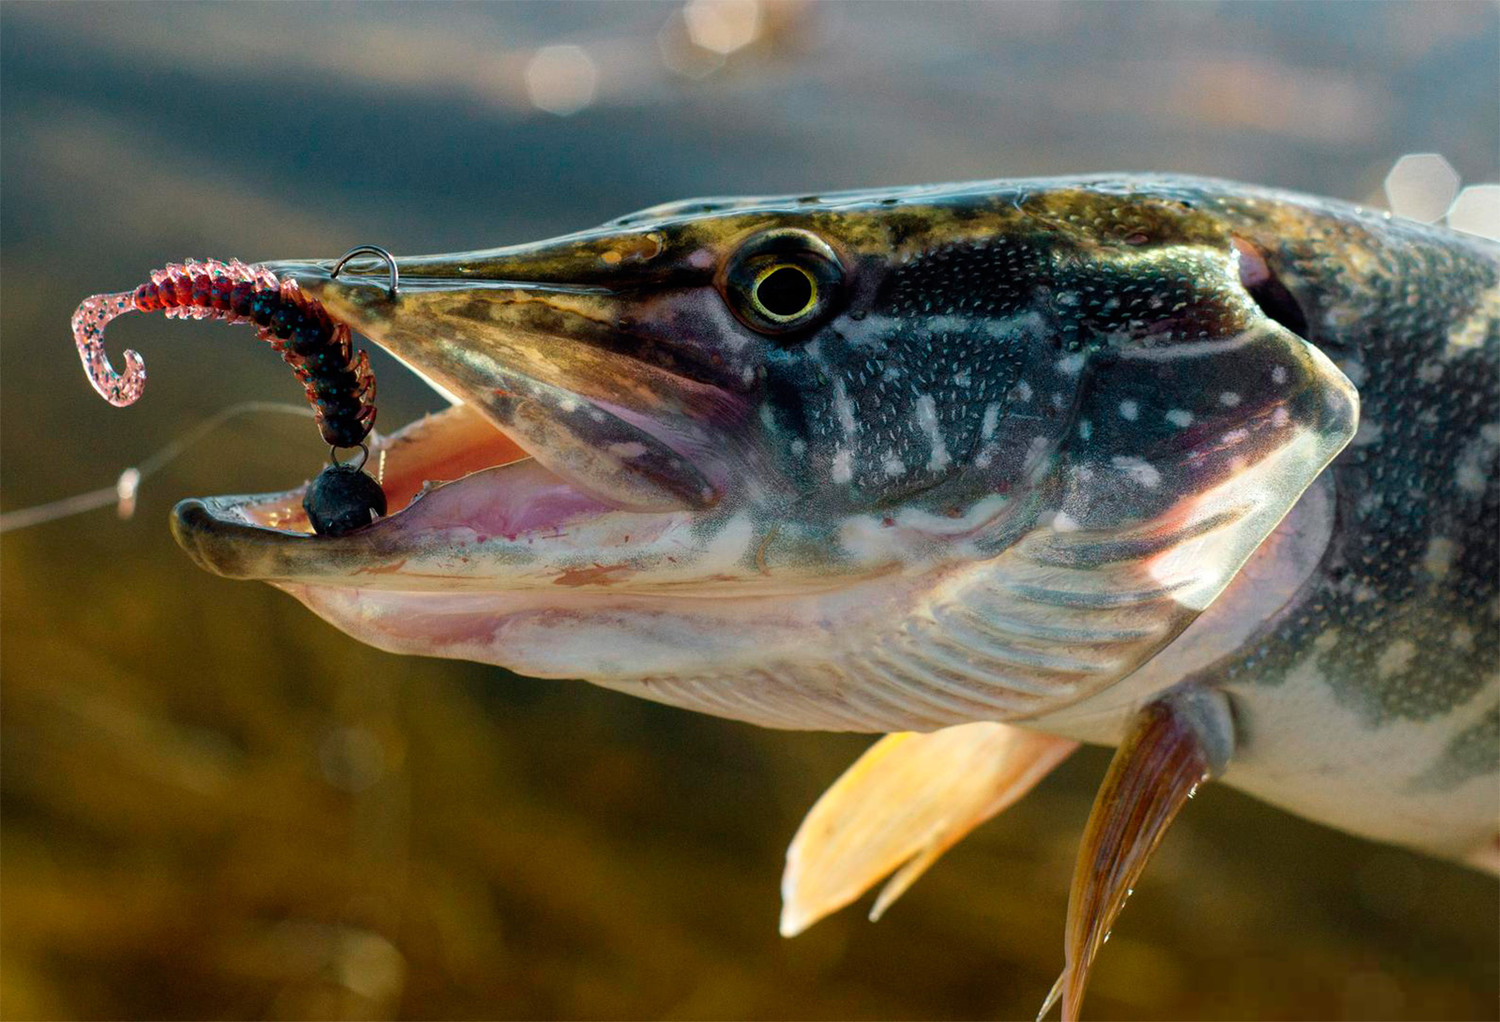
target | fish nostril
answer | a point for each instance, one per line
(1266, 289)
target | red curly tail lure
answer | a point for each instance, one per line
(339, 384)
(319, 349)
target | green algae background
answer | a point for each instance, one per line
(216, 806)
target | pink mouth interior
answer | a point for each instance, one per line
(451, 445)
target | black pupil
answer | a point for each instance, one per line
(785, 291)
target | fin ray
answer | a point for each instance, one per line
(907, 800)
(1172, 745)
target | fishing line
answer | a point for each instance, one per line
(125, 489)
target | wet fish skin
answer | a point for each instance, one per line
(1064, 449)
(1061, 369)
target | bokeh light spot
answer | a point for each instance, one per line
(561, 79)
(722, 26)
(1421, 186)
(1477, 211)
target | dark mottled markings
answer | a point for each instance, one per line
(1401, 618)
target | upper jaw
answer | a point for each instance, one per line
(543, 362)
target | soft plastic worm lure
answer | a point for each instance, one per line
(338, 380)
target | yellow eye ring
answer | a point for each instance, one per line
(783, 292)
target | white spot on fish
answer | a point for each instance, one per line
(991, 420)
(1021, 391)
(1368, 433)
(1179, 418)
(1280, 417)
(1129, 410)
(1140, 471)
(597, 415)
(798, 446)
(1059, 400)
(1475, 464)
(842, 408)
(1070, 364)
(1064, 522)
(568, 404)
(1462, 638)
(1235, 436)
(1036, 455)
(1441, 553)
(843, 466)
(629, 449)
(1229, 399)
(1355, 370)
(961, 378)
(1085, 429)
(1279, 374)
(928, 421)
(1396, 658)
(1430, 371)
(892, 465)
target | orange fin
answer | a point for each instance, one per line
(1170, 747)
(907, 800)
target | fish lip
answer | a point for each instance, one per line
(208, 531)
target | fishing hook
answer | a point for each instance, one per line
(374, 250)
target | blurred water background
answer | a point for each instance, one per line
(216, 806)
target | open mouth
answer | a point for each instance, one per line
(539, 471)
(457, 452)
(460, 495)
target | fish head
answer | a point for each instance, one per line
(872, 461)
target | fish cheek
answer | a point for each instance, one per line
(1195, 451)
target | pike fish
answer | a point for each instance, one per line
(1202, 471)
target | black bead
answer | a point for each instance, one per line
(341, 500)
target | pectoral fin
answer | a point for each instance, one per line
(907, 800)
(1171, 746)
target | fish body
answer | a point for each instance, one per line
(1035, 454)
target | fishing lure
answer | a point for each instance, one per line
(339, 383)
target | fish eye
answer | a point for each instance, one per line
(784, 291)
(782, 281)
